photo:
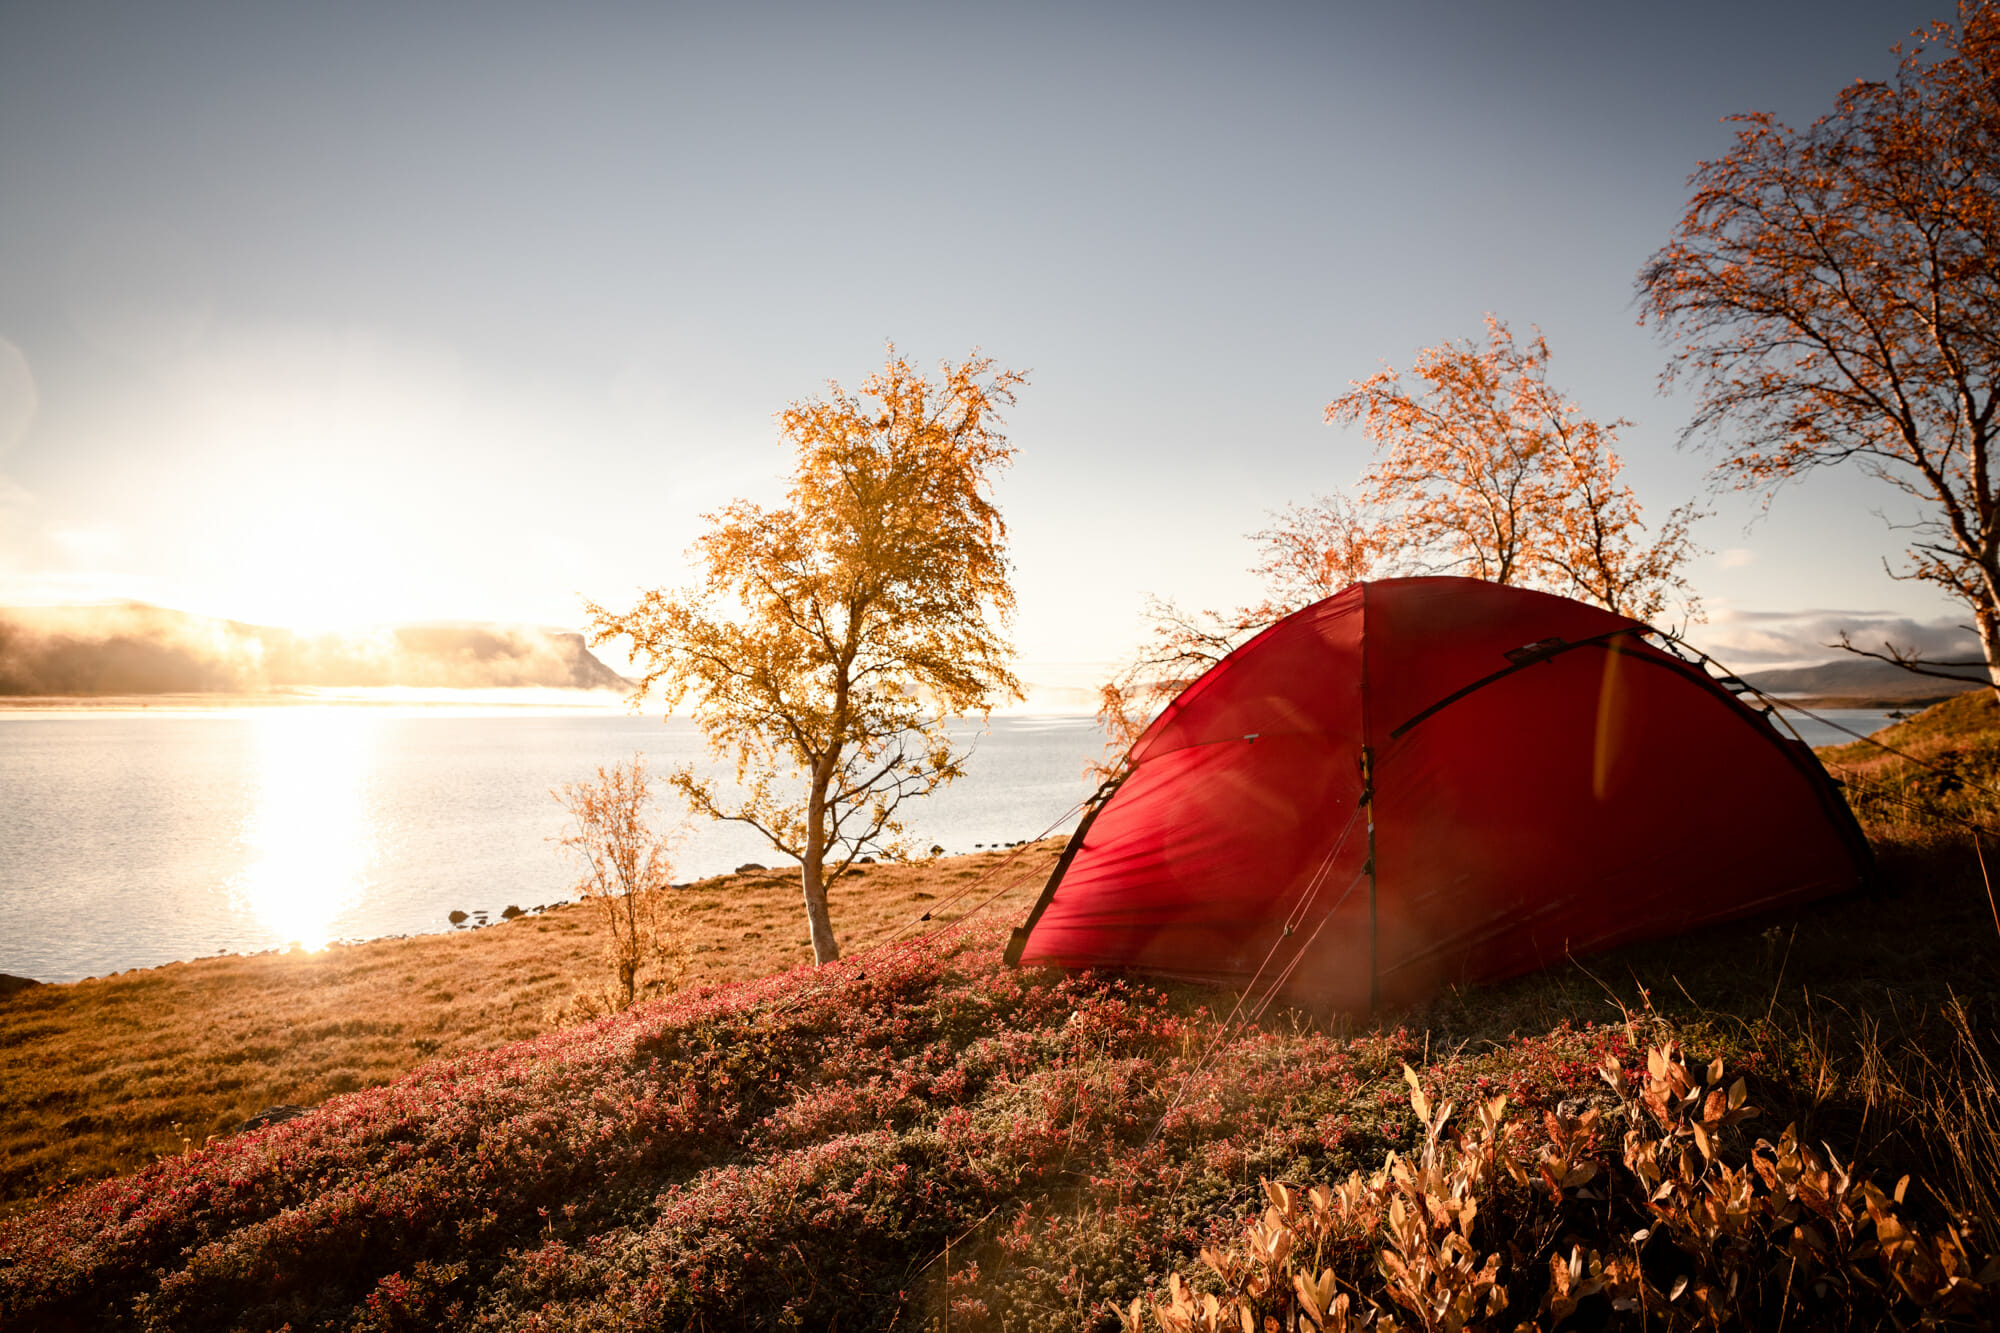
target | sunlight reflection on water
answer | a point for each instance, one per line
(128, 839)
(307, 835)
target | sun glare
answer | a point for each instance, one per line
(308, 833)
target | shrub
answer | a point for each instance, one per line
(623, 868)
(1672, 1225)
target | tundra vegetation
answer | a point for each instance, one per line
(105, 1076)
(918, 1136)
(830, 642)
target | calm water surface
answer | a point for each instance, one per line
(128, 840)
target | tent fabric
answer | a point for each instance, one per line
(1427, 781)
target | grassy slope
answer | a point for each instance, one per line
(1943, 778)
(921, 1130)
(101, 1077)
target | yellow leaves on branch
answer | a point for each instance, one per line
(829, 641)
(1483, 468)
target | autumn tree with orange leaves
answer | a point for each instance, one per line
(1836, 295)
(1481, 468)
(830, 641)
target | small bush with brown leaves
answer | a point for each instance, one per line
(1675, 1224)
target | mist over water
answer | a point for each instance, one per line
(131, 648)
(132, 840)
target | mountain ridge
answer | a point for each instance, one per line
(1862, 677)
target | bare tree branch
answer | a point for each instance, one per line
(1908, 661)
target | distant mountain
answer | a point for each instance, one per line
(133, 648)
(1862, 678)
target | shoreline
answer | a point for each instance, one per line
(1864, 703)
(778, 879)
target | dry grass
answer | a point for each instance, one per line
(1946, 784)
(100, 1077)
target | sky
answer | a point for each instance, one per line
(359, 314)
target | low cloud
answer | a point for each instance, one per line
(133, 648)
(1798, 638)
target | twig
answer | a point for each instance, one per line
(1989, 882)
(1770, 1008)
(959, 1239)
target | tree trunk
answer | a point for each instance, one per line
(1987, 618)
(812, 866)
(812, 876)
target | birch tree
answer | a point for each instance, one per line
(1835, 294)
(1481, 468)
(829, 641)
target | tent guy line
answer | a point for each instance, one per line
(1291, 923)
(1772, 704)
(1230, 1026)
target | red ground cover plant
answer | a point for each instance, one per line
(911, 1135)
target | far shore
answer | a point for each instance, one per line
(1873, 703)
(426, 700)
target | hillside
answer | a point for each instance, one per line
(103, 1076)
(1860, 679)
(131, 648)
(919, 1135)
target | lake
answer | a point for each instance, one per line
(132, 839)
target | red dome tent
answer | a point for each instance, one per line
(1435, 780)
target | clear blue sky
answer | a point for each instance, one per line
(359, 312)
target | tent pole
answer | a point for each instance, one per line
(1368, 799)
(1017, 943)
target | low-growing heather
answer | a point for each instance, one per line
(919, 1137)
(916, 1137)
(791, 1150)
(919, 1132)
